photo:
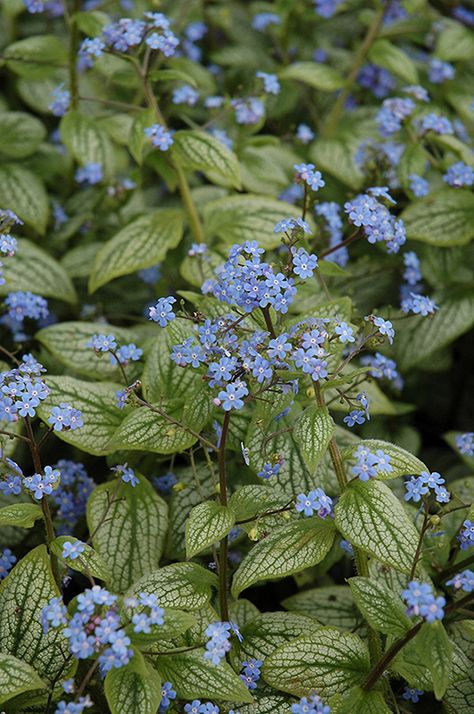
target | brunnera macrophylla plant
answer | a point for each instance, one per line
(236, 296)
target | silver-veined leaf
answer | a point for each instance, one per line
(202, 151)
(312, 432)
(314, 74)
(208, 523)
(16, 677)
(24, 194)
(180, 585)
(23, 515)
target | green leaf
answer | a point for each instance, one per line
(436, 652)
(137, 138)
(383, 610)
(266, 705)
(207, 523)
(16, 677)
(421, 336)
(23, 515)
(146, 430)
(89, 562)
(133, 692)
(180, 585)
(67, 342)
(443, 218)
(202, 151)
(23, 594)
(20, 134)
(285, 551)
(195, 485)
(35, 57)
(96, 401)
(313, 430)
(270, 630)
(402, 462)
(239, 218)
(371, 517)
(144, 242)
(193, 676)
(336, 157)
(413, 161)
(455, 42)
(35, 270)
(314, 74)
(452, 143)
(459, 697)
(77, 261)
(87, 142)
(129, 527)
(327, 661)
(91, 22)
(384, 54)
(254, 500)
(24, 194)
(358, 701)
(332, 605)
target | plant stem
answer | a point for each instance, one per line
(457, 567)
(12, 435)
(337, 110)
(375, 646)
(342, 244)
(183, 185)
(224, 607)
(268, 321)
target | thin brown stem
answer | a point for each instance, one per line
(342, 244)
(267, 513)
(87, 679)
(12, 435)
(268, 321)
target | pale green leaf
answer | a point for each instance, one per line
(144, 242)
(254, 500)
(23, 594)
(137, 137)
(193, 676)
(180, 585)
(16, 677)
(68, 343)
(314, 74)
(88, 562)
(20, 134)
(436, 652)
(312, 432)
(332, 605)
(236, 219)
(384, 54)
(195, 486)
(371, 517)
(24, 194)
(98, 404)
(129, 528)
(35, 270)
(202, 151)
(382, 609)
(35, 57)
(336, 157)
(266, 705)
(358, 701)
(287, 550)
(327, 661)
(23, 515)
(402, 462)
(455, 42)
(270, 630)
(87, 142)
(208, 523)
(133, 692)
(444, 218)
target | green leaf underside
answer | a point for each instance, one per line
(327, 661)
(23, 515)
(23, 594)
(68, 341)
(96, 401)
(193, 676)
(141, 244)
(180, 585)
(132, 529)
(287, 550)
(382, 609)
(16, 677)
(207, 523)
(370, 517)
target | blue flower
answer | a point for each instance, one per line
(65, 417)
(345, 332)
(465, 443)
(61, 100)
(459, 174)
(421, 601)
(162, 312)
(72, 550)
(185, 94)
(269, 470)
(354, 417)
(440, 71)
(316, 501)
(419, 305)
(411, 694)
(262, 20)
(231, 397)
(7, 561)
(11, 486)
(90, 174)
(270, 82)
(463, 581)
(306, 173)
(126, 474)
(466, 535)
(419, 185)
(291, 224)
(160, 137)
(304, 133)
(303, 263)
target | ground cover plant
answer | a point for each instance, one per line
(237, 299)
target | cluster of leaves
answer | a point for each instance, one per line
(234, 345)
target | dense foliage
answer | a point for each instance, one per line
(237, 293)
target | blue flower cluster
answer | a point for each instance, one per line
(198, 707)
(425, 484)
(419, 185)
(315, 502)
(422, 601)
(466, 535)
(7, 561)
(369, 464)
(65, 418)
(74, 707)
(271, 85)
(308, 175)
(160, 136)
(380, 81)
(166, 482)
(382, 367)
(459, 175)
(25, 304)
(465, 443)
(312, 705)
(123, 354)
(185, 94)
(126, 474)
(72, 494)
(393, 112)
(419, 305)
(358, 416)
(251, 672)
(42, 484)
(22, 389)
(90, 174)
(61, 99)
(366, 211)
(218, 643)
(463, 581)
(149, 612)
(248, 110)
(72, 549)
(262, 20)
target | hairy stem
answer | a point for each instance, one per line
(223, 601)
(337, 110)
